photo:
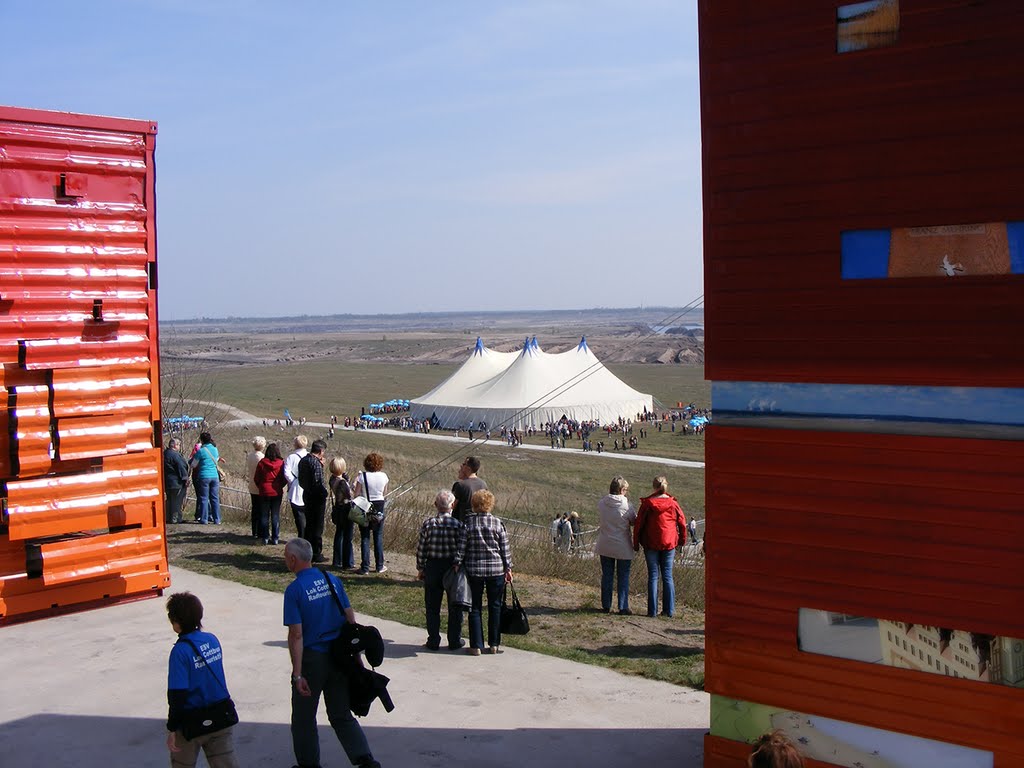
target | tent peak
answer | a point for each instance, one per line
(530, 346)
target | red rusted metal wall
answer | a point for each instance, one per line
(80, 456)
(860, 516)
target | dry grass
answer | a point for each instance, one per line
(561, 591)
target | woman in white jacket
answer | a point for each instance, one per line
(615, 543)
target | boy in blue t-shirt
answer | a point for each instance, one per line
(194, 681)
(314, 618)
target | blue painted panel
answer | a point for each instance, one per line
(865, 253)
(968, 405)
(1015, 234)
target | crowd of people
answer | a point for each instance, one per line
(201, 714)
(463, 537)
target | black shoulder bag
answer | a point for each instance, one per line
(213, 717)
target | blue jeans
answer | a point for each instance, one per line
(269, 528)
(659, 563)
(208, 499)
(495, 586)
(378, 546)
(608, 566)
(343, 555)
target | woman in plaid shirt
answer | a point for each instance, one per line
(485, 555)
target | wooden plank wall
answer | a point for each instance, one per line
(800, 144)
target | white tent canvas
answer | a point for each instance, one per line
(529, 388)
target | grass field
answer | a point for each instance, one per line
(531, 486)
(319, 389)
(322, 388)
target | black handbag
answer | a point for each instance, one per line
(514, 620)
(211, 718)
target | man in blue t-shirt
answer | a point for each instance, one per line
(314, 618)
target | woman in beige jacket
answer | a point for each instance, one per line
(615, 543)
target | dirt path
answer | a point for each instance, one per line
(243, 418)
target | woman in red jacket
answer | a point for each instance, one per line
(270, 482)
(661, 527)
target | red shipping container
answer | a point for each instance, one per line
(83, 519)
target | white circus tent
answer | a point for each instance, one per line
(529, 388)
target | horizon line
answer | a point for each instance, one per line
(444, 313)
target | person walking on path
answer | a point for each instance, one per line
(486, 556)
(464, 488)
(252, 459)
(615, 543)
(291, 474)
(660, 527)
(195, 679)
(314, 497)
(435, 554)
(175, 481)
(314, 620)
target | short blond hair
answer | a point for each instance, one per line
(259, 442)
(337, 466)
(301, 441)
(482, 501)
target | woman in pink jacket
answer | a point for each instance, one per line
(661, 527)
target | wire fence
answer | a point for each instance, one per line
(534, 548)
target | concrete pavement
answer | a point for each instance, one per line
(89, 690)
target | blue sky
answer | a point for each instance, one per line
(394, 155)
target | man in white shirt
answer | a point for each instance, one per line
(291, 474)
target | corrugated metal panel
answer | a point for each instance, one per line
(78, 347)
(52, 506)
(84, 392)
(32, 439)
(921, 529)
(102, 555)
(801, 144)
(20, 595)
